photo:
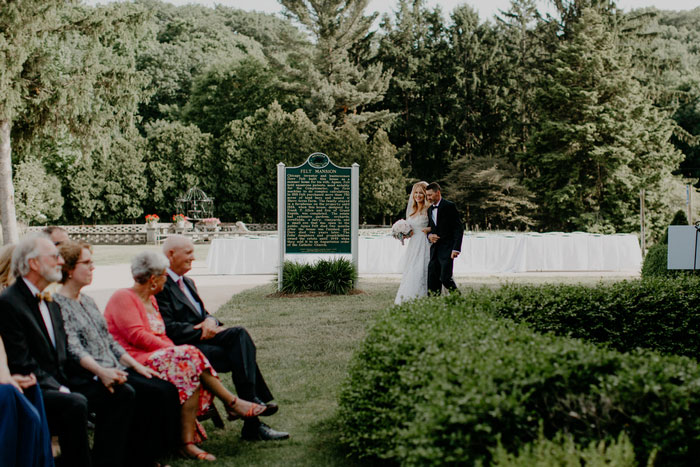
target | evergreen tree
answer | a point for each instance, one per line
(600, 139)
(336, 79)
(414, 45)
(524, 36)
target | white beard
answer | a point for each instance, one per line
(50, 274)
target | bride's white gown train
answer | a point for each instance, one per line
(414, 264)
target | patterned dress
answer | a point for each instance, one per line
(181, 365)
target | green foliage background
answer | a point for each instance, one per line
(529, 121)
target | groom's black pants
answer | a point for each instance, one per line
(440, 269)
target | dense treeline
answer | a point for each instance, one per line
(528, 121)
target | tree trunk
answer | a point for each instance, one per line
(10, 233)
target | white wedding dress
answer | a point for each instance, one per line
(414, 264)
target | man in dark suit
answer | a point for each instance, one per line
(446, 240)
(228, 349)
(35, 340)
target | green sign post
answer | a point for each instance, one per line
(318, 208)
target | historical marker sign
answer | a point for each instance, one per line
(318, 208)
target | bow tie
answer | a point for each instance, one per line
(44, 297)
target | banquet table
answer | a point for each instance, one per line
(487, 253)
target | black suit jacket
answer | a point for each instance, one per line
(178, 313)
(28, 345)
(449, 228)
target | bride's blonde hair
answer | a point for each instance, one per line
(412, 207)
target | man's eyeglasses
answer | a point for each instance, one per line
(55, 256)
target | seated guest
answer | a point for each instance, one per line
(154, 428)
(228, 349)
(32, 327)
(134, 321)
(24, 432)
(58, 235)
(6, 277)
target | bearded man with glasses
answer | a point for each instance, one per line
(35, 340)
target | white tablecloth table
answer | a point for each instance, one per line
(481, 253)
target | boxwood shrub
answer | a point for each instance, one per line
(563, 451)
(661, 314)
(443, 381)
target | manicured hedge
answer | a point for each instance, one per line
(656, 262)
(442, 381)
(661, 314)
(563, 451)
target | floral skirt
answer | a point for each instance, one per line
(181, 365)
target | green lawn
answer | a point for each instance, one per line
(304, 346)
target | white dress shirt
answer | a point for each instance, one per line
(434, 212)
(44, 309)
(186, 290)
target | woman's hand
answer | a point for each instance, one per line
(25, 381)
(111, 377)
(426, 230)
(145, 371)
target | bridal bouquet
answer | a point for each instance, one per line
(401, 230)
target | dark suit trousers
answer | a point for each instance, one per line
(440, 269)
(233, 350)
(67, 415)
(155, 426)
(114, 413)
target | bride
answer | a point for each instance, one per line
(414, 282)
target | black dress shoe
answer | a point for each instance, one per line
(262, 432)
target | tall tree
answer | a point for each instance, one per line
(63, 66)
(414, 45)
(600, 138)
(525, 37)
(337, 80)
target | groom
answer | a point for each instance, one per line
(446, 240)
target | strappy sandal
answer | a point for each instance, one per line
(255, 410)
(202, 456)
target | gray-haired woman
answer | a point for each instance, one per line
(134, 321)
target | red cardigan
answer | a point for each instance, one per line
(128, 323)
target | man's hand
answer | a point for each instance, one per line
(209, 328)
(433, 238)
(454, 254)
(111, 377)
